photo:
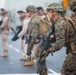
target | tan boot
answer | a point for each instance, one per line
(29, 63)
(5, 54)
(23, 58)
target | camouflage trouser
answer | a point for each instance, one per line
(69, 66)
(4, 41)
(42, 70)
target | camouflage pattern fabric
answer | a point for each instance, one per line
(60, 25)
(4, 27)
(31, 8)
(42, 70)
(55, 7)
(69, 66)
(74, 17)
(72, 5)
(34, 25)
(60, 31)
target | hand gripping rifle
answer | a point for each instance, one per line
(15, 37)
(46, 45)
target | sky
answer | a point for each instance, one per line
(2, 3)
(21, 4)
(14, 5)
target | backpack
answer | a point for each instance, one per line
(71, 40)
(44, 26)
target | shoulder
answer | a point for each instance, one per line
(35, 19)
(62, 21)
(60, 24)
(26, 20)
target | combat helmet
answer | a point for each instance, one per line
(55, 7)
(31, 8)
(72, 5)
(49, 7)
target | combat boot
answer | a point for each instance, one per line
(5, 54)
(29, 63)
(23, 58)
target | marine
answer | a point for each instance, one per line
(36, 34)
(4, 27)
(61, 25)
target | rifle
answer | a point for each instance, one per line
(28, 41)
(15, 37)
(1, 22)
(30, 46)
(45, 47)
(31, 41)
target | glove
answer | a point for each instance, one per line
(15, 38)
(44, 55)
(28, 53)
(18, 27)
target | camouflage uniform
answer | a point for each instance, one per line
(69, 66)
(22, 34)
(42, 67)
(5, 26)
(72, 6)
(34, 26)
(31, 30)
